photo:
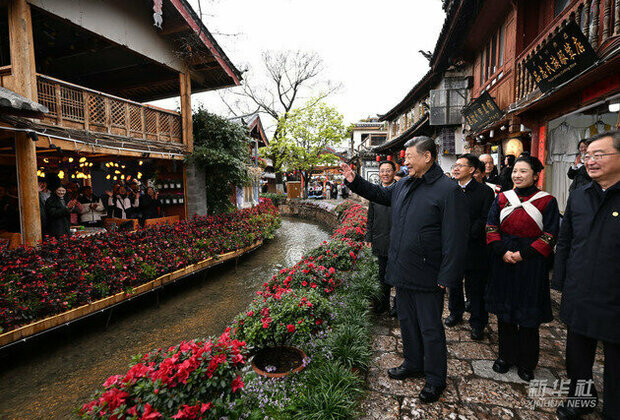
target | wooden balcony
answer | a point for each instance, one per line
(599, 20)
(77, 107)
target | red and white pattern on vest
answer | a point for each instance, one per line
(521, 224)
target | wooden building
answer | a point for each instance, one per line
(93, 66)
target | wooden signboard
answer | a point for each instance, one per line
(565, 56)
(481, 112)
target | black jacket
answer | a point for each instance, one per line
(149, 207)
(587, 262)
(505, 178)
(493, 178)
(579, 176)
(57, 216)
(378, 228)
(428, 239)
(479, 198)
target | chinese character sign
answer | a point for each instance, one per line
(481, 112)
(566, 55)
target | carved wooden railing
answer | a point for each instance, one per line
(77, 107)
(599, 20)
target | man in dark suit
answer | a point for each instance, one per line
(428, 241)
(479, 198)
(587, 271)
(379, 223)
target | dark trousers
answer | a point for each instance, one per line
(518, 345)
(580, 352)
(475, 284)
(385, 288)
(424, 339)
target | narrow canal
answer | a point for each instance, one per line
(51, 376)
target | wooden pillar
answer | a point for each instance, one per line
(185, 82)
(25, 84)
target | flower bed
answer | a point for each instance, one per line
(316, 307)
(64, 274)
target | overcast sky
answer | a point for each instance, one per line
(371, 47)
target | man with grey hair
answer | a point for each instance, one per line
(428, 242)
(587, 271)
(491, 175)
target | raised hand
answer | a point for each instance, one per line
(348, 173)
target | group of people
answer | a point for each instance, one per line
(431, 232)
(69, 204)
(329, 190)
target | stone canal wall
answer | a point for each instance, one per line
(319, 211)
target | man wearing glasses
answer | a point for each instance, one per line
(587, 271)
(479, 198)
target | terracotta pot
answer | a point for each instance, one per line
(289, 355)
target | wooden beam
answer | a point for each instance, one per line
(186, 109)
(25, 84)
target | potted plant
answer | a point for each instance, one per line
(275, 322)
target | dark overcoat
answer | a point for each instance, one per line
(587, 262)
(479, 198)
(428, 239)
(378, 228)
(57, 216)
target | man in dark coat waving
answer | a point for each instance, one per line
(428, 242)
(587, 271)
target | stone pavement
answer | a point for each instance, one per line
(474, 390)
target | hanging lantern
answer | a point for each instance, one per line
(82, 159)
(70, 160)
(389, 157)
(378, 158)
(61, 174)
(108, 176)
(115, 178)
(140, 163)
(402, 153)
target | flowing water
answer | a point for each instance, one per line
(50, 376)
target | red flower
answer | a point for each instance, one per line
(290, 328)
(237, 383)
(319, 322)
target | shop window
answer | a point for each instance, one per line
(377, 140)
(448, 101)
(5, 51)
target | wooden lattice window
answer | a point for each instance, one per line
(72, 103)
(150, 121)
(117, 113)
(47, 96)
(96, 109)
(164, 124)
(176, 127)
(135, 118)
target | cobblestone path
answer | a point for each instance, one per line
(474, 390)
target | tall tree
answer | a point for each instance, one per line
(308, 134)
(290, 77)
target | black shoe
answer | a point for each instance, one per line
(431, 393)
(525, 374)
(401, 373)
(476, 334)
(572, 413)
(468, 306)
(453, 320)
(500, 366)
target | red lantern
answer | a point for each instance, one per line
(378, 158)
(402, 153)
(389, 157)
